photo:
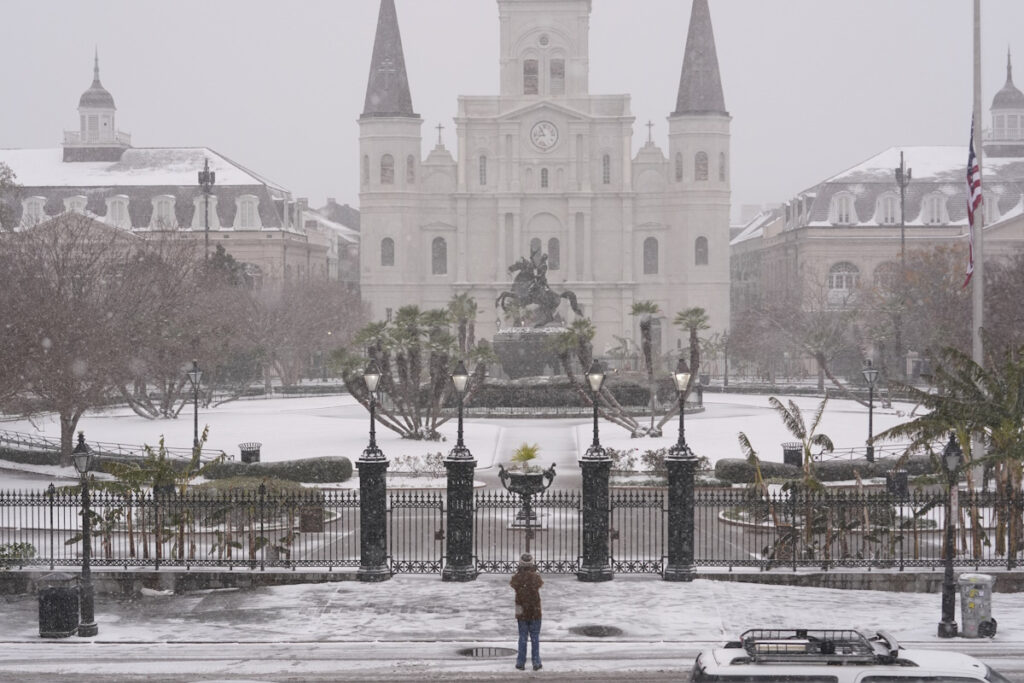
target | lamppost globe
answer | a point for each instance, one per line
(372, 375)
(460, 380)
(681, 378)
(81, 456)
(595, 378)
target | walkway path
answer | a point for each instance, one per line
(558, 444)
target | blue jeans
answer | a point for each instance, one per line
(532, 628)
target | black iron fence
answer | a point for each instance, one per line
(320, 530)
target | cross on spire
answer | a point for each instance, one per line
(440, 128)
(650, 131)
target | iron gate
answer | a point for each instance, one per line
(416, 532)
(637, 530)
(552, 535)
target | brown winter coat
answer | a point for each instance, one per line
(527, 583)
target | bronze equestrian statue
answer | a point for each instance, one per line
(530, 289)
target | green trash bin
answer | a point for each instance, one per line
(976, 605)
(58, 606)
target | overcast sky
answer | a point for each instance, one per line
(814, 86)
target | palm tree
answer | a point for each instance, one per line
(793, 419)
(646, 310)
(463, 310)
(693, 320)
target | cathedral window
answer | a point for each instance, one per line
(888, 209)
(651, 256)
(75, 204)
(366, 169)
(387, 252)
(163, 213)
(410, 169)
(248, 214)
(387, 170)
(530, 74)
(117, 212)
(557, 76)
(439, 256)
(700, 166)
(679, 167)
(535, 246)
(554, 254)
(606, 169)
(700, 251)
(483, 169)
(842, 210)
(721, 167)
(544, 177)
(33, 212)
(934, 212)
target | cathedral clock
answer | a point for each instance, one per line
(544, 135)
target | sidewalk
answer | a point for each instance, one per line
(415, 626)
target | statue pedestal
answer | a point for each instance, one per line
(527, 351)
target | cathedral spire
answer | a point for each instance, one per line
(387, 92)
(700, 85)
(1009, 68)
(96, 66)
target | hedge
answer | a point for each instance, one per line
(740, 471)
(307, 470)
(30, 457)
(558, 392)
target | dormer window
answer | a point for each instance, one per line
(934, 210)
(888, 210)
(33, 211)
(163, 213)
(117, 212)
(248, 215)
(842, 212)
(75, 204)
(531, 72)
(200, 216)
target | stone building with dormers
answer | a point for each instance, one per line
(152, 190)
(546, 165)
(845, 234)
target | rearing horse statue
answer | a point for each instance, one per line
(530, 288)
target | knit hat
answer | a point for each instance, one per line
(526, 561)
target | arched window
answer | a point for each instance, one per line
(888, 209)
(700, 251)
(530, 80)
(843, 279)
(117, 211)
(410, 169)
(700, 166)
(557, 76)
(387, 170)
(543, 177)
(387, 252)
(483, 169)
(679, 167)
(721, 167)
(247, 214)
(439, 256)
(554, 254)
(366, 169)
(606, 169)
(934, 211)
(843, 210)
(651, 256)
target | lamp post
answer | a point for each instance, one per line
(596, 466)
(373, 466)
(460, 466)
(206, 180)
(951, 458)
(870, 376)
(372, 378)
(903, 177)
(681, 378)
(195, 375)
(595, 378)
(81, 456)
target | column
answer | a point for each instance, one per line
(373, 519)
(681, 470)
(596, 565)
(459, 563)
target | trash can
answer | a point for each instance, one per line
(793, 453)
(976, 605)
(897, 482)
(58, 606)
(250, 451)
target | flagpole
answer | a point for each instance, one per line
(978, 278)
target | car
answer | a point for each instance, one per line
(833, 656)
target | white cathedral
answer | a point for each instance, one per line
(546, 165)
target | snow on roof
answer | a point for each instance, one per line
(147, 166)
(929, 164)
(755, 228)
(346, 233)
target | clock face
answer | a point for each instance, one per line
(544, 135)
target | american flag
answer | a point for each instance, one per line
(974, 199)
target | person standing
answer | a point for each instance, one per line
(527, 582)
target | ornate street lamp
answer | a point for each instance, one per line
(195, 375)
(595, 378)
(372, 378)
(870, 376)
(681, 377)
(460, 380)
(951, 458)
(206, 180)
(81, 456)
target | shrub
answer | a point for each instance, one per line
(430, 464)
(31, 457)
(309, 470)
(251, 485)
(13, 553)
(740, 471)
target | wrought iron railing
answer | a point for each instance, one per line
(23, 441)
